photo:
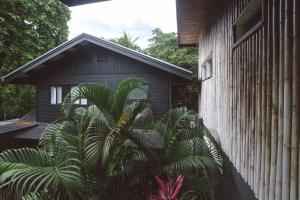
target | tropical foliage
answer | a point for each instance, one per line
(165, 47)
(126, 40)
(29, 28)
(95, 152)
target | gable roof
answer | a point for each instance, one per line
(83, 38)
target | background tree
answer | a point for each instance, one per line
(165, 47)
(127, 41)
(29, 28)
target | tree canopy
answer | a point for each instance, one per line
(28, 29)
(165, 47)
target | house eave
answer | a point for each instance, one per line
(192, 18)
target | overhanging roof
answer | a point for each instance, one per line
(55, 53)
(33, 133)
(192, 18)
(79, 2)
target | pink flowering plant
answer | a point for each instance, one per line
(168, 190)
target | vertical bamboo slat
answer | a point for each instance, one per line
(275, 99)
(294, 193)
(287, 113)
(258, 116)
(263, 111)
(278, 188)
(252, 100)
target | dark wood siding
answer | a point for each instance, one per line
(93, 64)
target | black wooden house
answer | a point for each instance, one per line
(87, 59)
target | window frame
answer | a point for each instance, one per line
(57, 102)
(253, 8)
(207, 62)
(136, 99)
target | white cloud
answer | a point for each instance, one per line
(137, 17)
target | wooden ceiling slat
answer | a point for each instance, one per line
(192, 18)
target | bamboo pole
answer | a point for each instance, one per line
(245, 157)
(297, 63)
(287, 114)
(263, 110)
(246, 112)
(269, 99)
(250, 125)
(253, 104)
(233, 73)
(294, 194)
(278, 189)
(243, 110)
(248, 122)
(275, 92)
(239, 114)
(258, 115)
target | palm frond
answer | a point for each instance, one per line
(190, 163)
(94, 142)
(109, 141)
(101, 116)
(97, 94)
(30, 170)
(122, 92)
(177, 118)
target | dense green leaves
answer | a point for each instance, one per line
(30, 170)
(165, 47)
(77, 153)
(95, 152)
(29, 28)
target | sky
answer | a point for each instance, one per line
(111, 18)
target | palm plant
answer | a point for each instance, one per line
(127, 41)
(36, 171)
(192, 152)
(94, 152)
(72, 160)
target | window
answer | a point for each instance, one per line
(249, 20)
(55, 94)
(79, 101)
(206, 68)
(138, 93)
